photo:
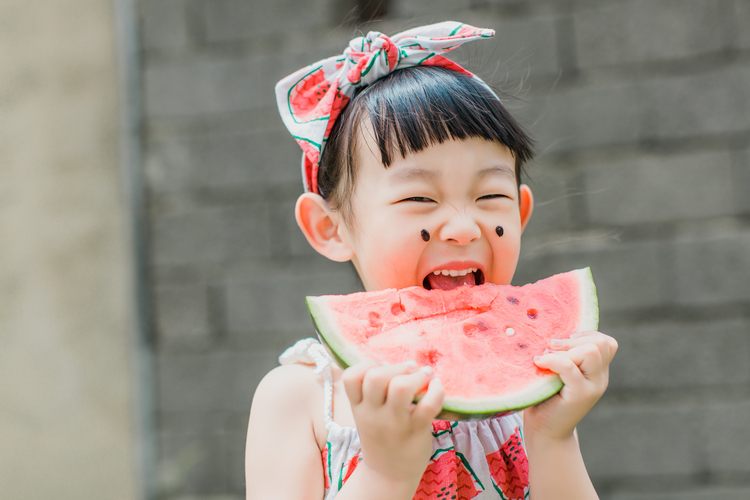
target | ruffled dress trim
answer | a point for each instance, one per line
(470, 460)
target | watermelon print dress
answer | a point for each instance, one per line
(470, 460)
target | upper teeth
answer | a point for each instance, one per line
(453, 272)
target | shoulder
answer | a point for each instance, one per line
(288, 387)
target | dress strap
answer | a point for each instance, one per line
(309, 352)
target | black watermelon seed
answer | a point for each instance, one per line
(532, 313)
(513, 300)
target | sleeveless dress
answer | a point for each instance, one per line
(471, 460)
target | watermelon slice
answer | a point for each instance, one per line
(480, 340)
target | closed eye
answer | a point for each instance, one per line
(420, 199)
(492, 196)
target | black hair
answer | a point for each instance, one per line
(409, 110)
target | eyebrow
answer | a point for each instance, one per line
(502, 170)
(412, 174)
(409, 174)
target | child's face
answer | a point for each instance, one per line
(459, 192)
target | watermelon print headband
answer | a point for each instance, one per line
(312, 98)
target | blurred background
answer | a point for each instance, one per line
(151, 270)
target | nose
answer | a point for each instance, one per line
(460, 229)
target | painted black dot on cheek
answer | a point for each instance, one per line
(499, 230)
(425, 235)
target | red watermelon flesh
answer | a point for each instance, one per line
(480, 340)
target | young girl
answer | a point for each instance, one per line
(412, 169)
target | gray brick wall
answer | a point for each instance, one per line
(641, 110)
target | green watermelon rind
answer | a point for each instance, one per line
(457, 408)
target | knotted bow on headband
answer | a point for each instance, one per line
(311, 99)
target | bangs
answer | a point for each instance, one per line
(410, 110)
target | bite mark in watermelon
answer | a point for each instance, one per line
(480, 340)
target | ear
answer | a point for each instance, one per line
(527, 204)
(322, 227)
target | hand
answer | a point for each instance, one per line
(395, 433)
(583, 365)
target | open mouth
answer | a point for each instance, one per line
(439, 280)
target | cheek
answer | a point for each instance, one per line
(390, 257)
(506, 250)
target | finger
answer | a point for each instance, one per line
(353, 377)
(428, 408)
(376, 381)
(403, 389)
(568, 371)
(606, 344)
(587, 357)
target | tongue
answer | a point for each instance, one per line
(440, 282)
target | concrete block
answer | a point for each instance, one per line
(164, 24)
(212, 235)
(217, 381)
(230, 160)
(582, 117)
(704, 493)
(712, 270)
(551, 197)
(424, 11)
(648, 30)
(231, 20)
(521, 48)
(190, 237)
(167, 165)
(709, 103)
(641, 441)
(247, 231)
(182, 314)
(627, 276)
(234, 447)
(191, 464)
(742, 21)
(671, 355)
(727, 437)
(741, 181)
(204, 85)
(658, 188)
(265, 307)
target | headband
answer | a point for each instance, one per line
(312, 98)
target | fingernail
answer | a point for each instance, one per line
(427, 370)
(574, 335)
(548, 351)
(556, 342)
(411, 364)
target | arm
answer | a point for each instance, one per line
(282, 457)
(556, 468)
